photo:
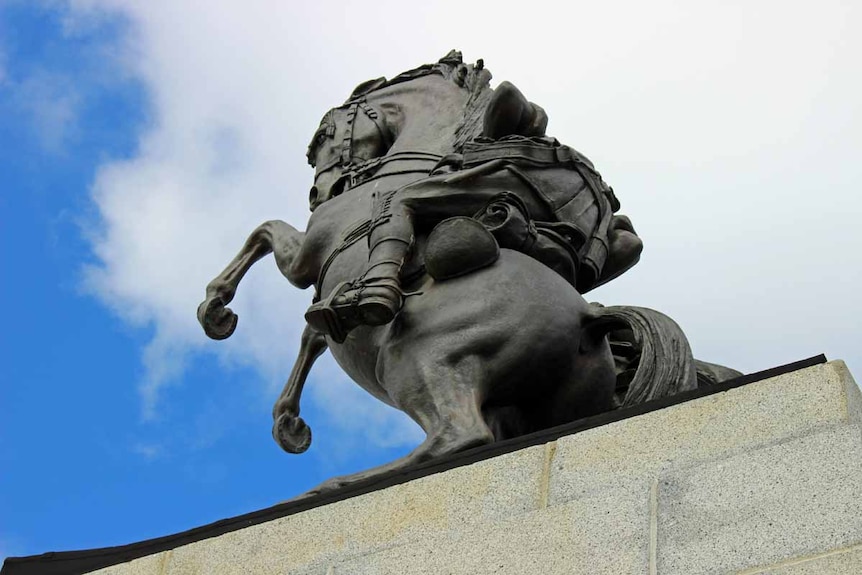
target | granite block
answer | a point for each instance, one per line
(765, 478)
(638, 449)
(852, 392)
(766, 505)
(842, 562)
(602, 536)
(506, 486)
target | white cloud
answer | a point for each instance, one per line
(727, 130)
(52, 104)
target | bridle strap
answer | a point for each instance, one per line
(419, 162)
(356, 171)
(333, 164)
(345, 158)
(378, 121)
(347, 142)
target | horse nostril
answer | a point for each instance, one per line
(312, 197)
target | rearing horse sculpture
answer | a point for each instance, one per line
(448, 245)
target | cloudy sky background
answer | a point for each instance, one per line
(142, 141)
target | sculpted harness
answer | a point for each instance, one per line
(582, 213)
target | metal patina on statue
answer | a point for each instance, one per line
(449, 245)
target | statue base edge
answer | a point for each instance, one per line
(615, 462)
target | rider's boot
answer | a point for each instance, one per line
(373, 299)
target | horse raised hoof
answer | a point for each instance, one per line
(291, 433)
(351, 304)
(218, 321)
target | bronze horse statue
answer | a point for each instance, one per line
(449, 245)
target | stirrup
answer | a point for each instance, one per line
(337, 319)
(322, 317)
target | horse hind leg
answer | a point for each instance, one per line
(444, 396)
(446, 401)
(588, 389)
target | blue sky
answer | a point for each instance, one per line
(141, 142)
(79, 465)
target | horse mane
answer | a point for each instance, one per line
(478, 82)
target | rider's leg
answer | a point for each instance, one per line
(380, 297)
(392, 236)
(375, 298)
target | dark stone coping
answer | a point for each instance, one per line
(78, 562)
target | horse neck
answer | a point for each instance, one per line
(431, 109)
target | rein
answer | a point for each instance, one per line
(366, 171)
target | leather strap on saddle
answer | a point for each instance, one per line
(537, 150)
(547, 152)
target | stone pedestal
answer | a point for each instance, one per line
(763, 478)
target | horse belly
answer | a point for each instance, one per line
(358, 357)
(519, 317)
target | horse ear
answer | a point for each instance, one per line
(510, 113)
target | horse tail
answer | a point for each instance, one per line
(652, 354)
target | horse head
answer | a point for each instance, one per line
(431, 111)
(347, 138)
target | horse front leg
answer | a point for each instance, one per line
(288, 429)
(274, 236)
